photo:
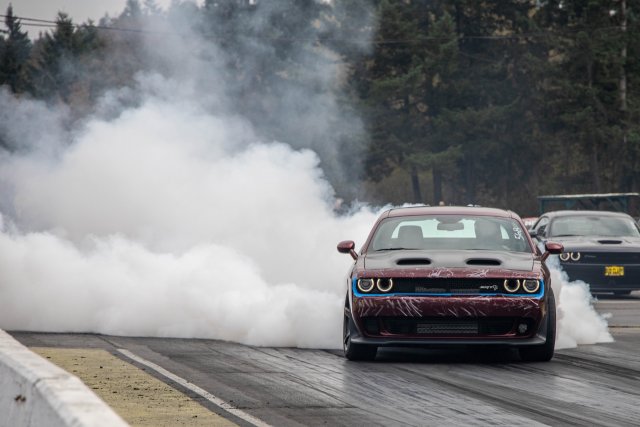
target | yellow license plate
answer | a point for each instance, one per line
(614, 270)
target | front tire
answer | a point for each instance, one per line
(354, 351)
(544, 352)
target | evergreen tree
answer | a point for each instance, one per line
(486, 102)
(132, 10)
(591, 95)
(14, 55)
(62, 66)
(446, 91)
(493, 120)
(396, 92)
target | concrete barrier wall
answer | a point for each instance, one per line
(34, 392)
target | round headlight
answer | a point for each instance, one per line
(565, 256)
(511, 285)
(531, 285)
(575, 256)
(384, 285)
(366, 285)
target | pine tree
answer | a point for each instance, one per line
(132, 10)
(61, 68)
(452, 92)
(592, 95)
(395, 93)
(14, 55)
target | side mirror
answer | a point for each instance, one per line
(348, 247)
(532, 233)
(552, 248)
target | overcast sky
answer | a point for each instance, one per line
(79, 10)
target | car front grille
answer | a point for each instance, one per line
(426, 326)
(441, 286)
(448, 328)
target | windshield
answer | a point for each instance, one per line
(439, 232)
(593, 226)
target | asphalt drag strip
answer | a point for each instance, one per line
(588, 385)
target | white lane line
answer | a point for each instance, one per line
(194, 388)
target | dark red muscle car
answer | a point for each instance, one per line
(452, 276)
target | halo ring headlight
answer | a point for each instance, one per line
(530, 285)
(365, 285)
(384, 285)
(511, 285)
(565, 256)
(575, 256)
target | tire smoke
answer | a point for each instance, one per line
(165, 213)
(167, 222)
(578, 321)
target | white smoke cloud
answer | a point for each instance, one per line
(165, 214)
(166, 221)
(578, 321)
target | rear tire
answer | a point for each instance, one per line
(354, 351)
(544, 352)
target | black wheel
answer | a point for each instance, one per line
(544, 352)
(355, 351)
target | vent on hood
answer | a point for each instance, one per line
(483, 261)
(413, 261)
(610, 242)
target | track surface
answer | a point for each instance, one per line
(590, 385)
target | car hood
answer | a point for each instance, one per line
(458, 259)
(598, 243)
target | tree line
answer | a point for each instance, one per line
(465, 102)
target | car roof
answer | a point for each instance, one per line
(448, 210)
(556, 214)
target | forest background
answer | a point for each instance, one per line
(466, 102)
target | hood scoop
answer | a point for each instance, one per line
(483, 261)
(413, 261)
(406, 262)
(610, 242)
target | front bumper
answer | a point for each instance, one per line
(594, 275)
(454, 320)
(538, 339)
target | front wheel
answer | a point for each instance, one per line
(544, 352)
(354, 351)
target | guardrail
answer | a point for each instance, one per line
(34, 392)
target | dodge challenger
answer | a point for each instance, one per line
(432, 276)
(601, 248)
